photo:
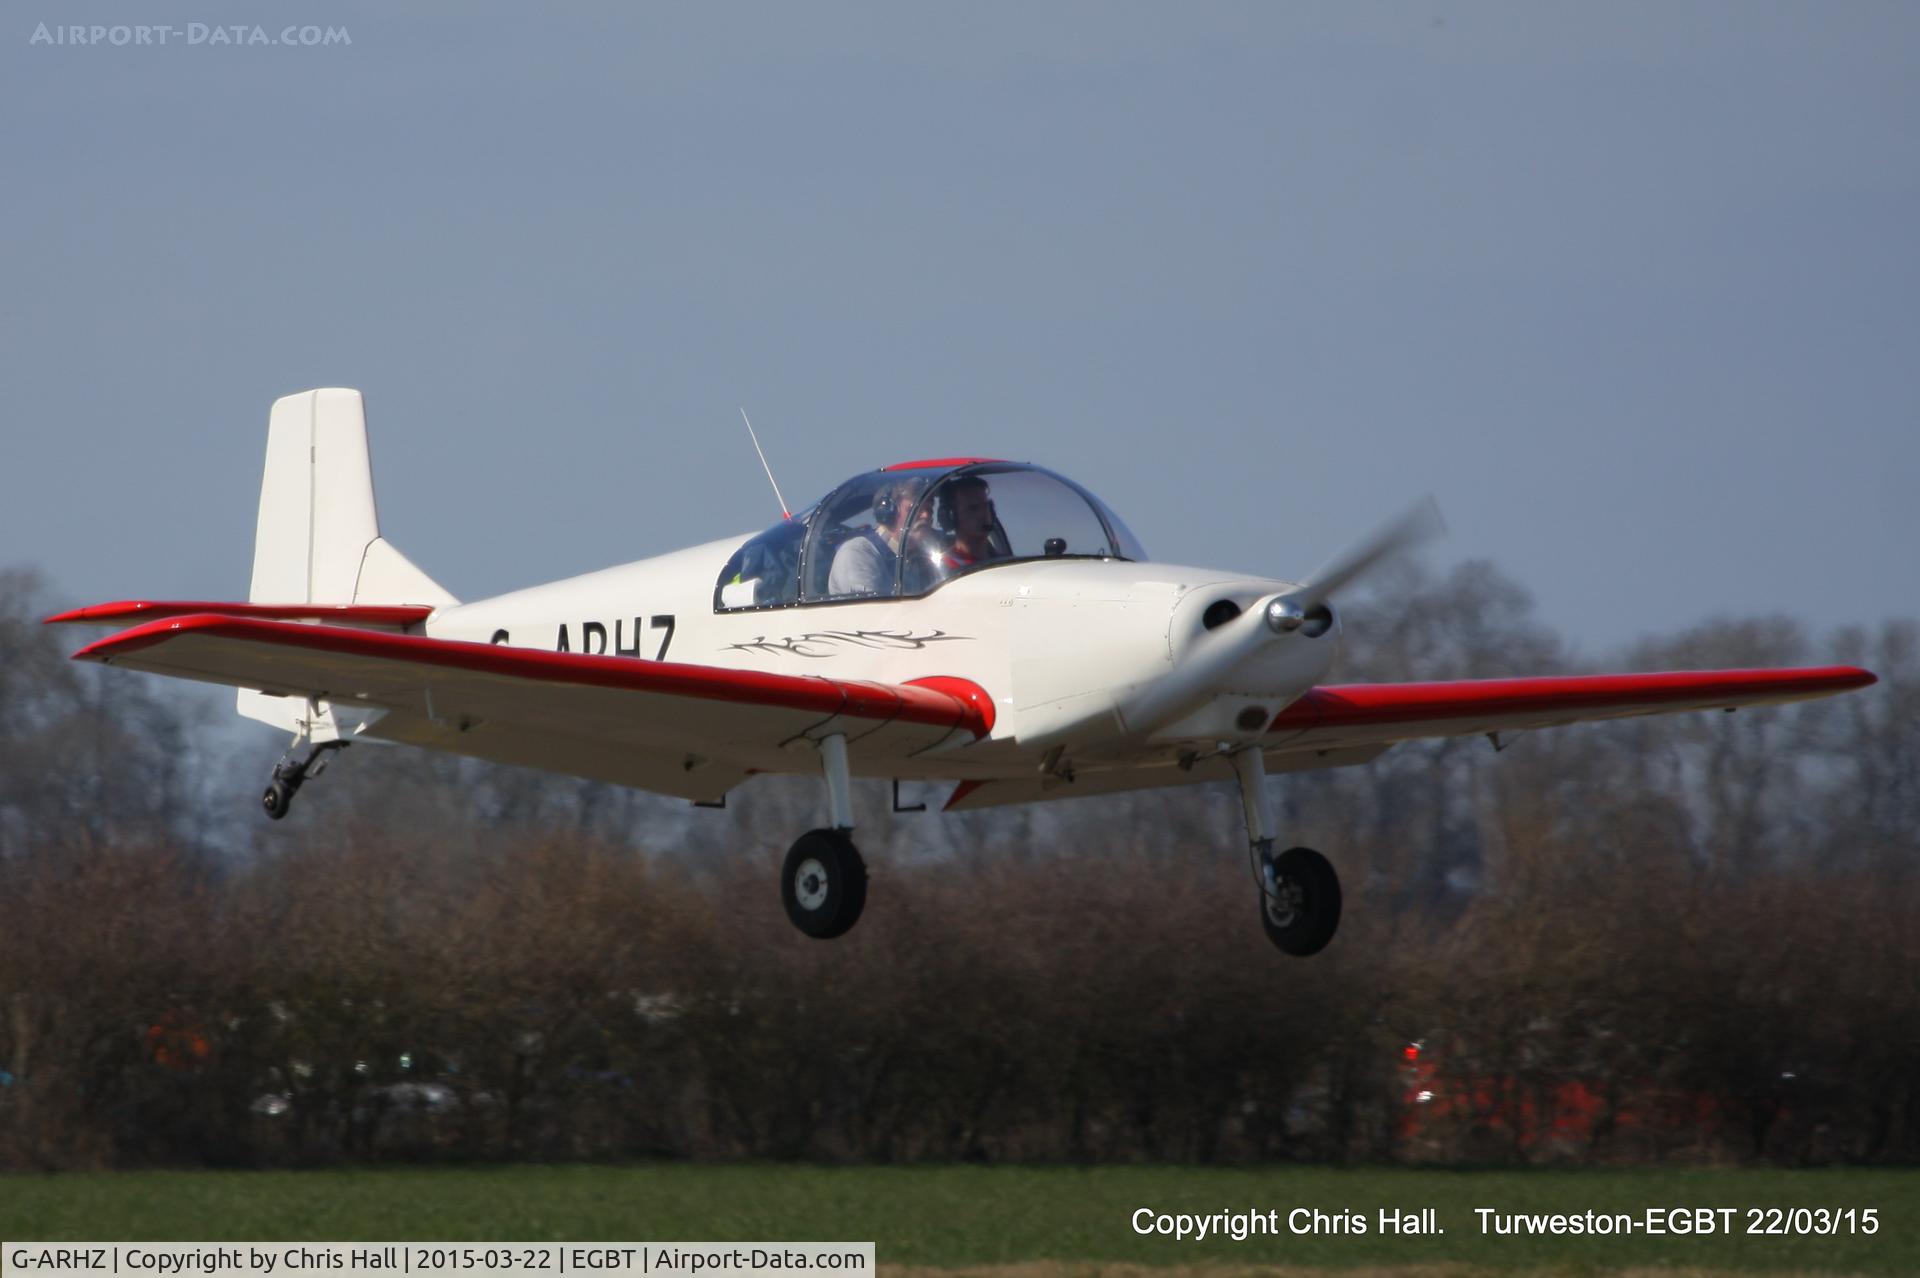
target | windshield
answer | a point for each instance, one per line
(764, 572)
(906, 530)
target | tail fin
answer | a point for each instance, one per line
(318, 537)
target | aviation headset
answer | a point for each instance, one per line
(886, 502)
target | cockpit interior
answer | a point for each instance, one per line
(906, 530)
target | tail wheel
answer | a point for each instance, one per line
(1303, 912)
(824, 884)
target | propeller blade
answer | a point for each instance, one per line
(1206, 665)
(1420, 523)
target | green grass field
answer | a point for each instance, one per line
(965, 1216)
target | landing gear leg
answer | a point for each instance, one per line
(1299, 891)
(823, 882)
(289, 775)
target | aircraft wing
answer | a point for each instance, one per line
(1340, 716)
(1345, 725)
(681, 729)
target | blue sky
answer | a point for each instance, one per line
(1634, 290)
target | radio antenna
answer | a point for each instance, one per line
(784, 512)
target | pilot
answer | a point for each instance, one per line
(866, 562)
(968, 510)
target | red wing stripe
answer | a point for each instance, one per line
(965, 690)
(916, 704)
(149, 610)
(1375, 704)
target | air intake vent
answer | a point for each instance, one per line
(1219, 613)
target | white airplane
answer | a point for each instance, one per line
(964, 619)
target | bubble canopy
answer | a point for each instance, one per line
(905, 530)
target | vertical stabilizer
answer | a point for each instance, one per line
(316, 502)
(318, 535)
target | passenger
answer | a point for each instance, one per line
(866, 563)
(968, 511)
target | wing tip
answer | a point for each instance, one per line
(121, 610)
(142, 636)
(92, 612)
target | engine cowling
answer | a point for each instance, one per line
(1107, 661)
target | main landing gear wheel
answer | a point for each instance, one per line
(824, 883)
(277, 799)
(1302, 912)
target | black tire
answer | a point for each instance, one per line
(277, 799)
(823, 884)
(1308, 913)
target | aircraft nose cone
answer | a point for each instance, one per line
(1284, 616)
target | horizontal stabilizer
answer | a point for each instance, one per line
(394, 616)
